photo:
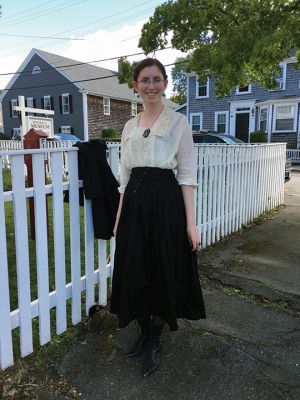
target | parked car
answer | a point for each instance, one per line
(215, 137)
(288, 168)
(65, 136)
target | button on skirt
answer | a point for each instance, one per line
(155, 271)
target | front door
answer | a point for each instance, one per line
(242, 126)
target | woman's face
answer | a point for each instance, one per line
(150, 84)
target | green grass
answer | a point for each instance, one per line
(11, 254)
(21, 380)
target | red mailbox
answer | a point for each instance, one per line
(34, 139)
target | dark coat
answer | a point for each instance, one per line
(100, 186)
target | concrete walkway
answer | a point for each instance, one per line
(247, 348)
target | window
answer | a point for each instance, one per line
(36, 70)
(221, 121)
(263, 117)
(30, 103)
(196, 121)
(16, 133)
(202, 88)
(133, 108)
(285, 118)
(281, 78)
(65, 129)
(243, 90)
(13, 103)
(47, 103)
(106, 105)
(65, 100)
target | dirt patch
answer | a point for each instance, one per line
(235, 264)
(252, 246)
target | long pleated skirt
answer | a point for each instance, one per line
(155, 271)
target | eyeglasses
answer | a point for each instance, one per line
(147, 82)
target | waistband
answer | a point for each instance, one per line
(151, 172)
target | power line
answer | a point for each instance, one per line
(28, 10)
(48, 11)
(111, 24)
(81, 63)
(78, 81)
(41, 37)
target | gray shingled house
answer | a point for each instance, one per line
(84, 97)
(250, 108)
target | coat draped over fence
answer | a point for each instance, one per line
(235, 185)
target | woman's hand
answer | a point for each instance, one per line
(118, 214)
(194, 237)
(115, 228)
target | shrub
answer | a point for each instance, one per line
(3, 136)
(108, 133)
(258, 137)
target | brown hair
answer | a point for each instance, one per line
(148, 62)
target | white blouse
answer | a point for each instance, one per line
(169, 145)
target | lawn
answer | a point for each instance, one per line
(14, 381)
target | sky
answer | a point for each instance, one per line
(105, 28)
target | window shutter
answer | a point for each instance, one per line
(72, 130)
(42, 102)
(60, 104)
(52, 102)
(10, 109)
(26, 102)
(71, 103)
(59, 129)
(34, 103)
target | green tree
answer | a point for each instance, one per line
(178, 74)
(236, 41)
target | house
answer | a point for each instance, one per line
(84, 97)
(1, 125)
(248, 109)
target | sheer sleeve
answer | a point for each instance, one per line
(186, 161)
(124, 171)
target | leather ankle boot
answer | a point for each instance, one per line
(139, 346)
(153, 352)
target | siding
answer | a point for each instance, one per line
(208, 106)
(120, 113)
(58, 85)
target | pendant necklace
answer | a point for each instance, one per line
(148, 130)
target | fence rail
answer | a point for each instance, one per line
(294, 155)
(235, 185)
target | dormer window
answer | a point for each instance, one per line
(202, 88)
(36, 70)
(281, 78)
(243, 89)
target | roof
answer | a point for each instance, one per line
(180, 106)
(108, 87)
(283, 99)
(169, 103)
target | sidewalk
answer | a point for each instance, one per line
(247, 348)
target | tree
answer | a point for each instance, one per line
(236, 41)
(178, 73)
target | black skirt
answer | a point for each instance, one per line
(155, 271)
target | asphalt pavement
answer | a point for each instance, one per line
(247, 348)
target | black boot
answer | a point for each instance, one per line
(153, 352)
(140, 345)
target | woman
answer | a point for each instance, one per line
(155, 277)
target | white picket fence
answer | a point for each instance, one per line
(294, 155)
(235, 185)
